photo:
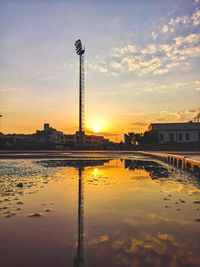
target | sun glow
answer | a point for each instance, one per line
(97, 124)
(96, 128)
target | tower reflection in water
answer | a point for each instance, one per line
(78, 259)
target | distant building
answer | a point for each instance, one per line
(176, 132)
(49, 135)
(10, 140)
(53, 136)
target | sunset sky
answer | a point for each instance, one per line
(141, 61)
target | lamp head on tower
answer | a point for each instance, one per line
(79, 48)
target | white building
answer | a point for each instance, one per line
(176, 132)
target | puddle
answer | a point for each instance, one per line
(125, 211)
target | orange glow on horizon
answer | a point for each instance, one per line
(96, 128)
(97, 124)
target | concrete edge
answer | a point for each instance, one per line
(178, 161)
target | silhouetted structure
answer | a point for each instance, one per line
(50, 138)
(80, 51)
(184, 132)
(0, 121)
(154, 169)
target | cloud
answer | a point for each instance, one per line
(131, 63)
(166, 69)
(156, 58)
(160, 59)
(151, 49)
(190, 111)
(123, 50)
(102, 133)
(116, 66)
(165, 28)
(175, 116)
(159, 119)
(132, 48)
(196, 18)
(190, 39)
(197, 83)
(180, 116)
(139, 123)
(109, 134)
(177, 23)
(160, 71)
(97, 67)
(154, 35)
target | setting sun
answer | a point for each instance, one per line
(96, 128)
(97, 124)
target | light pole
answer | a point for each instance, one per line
(0, 121)
(80, 51)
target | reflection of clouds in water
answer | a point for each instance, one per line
(152, 219)
(97, 240)
(145, 248)
(160, 244)
(117, 244)
(169, 238)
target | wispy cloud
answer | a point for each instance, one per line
(197, 83)
(176, 23)
(161, 88)
(139, 123)
(157, 59)
(97, 67)
(175, 116)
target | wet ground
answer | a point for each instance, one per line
(107, 210)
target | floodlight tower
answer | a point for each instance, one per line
(0, 121)
(80, 51)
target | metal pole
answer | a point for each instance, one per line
(0, 122)
(80, 96)
(80, 51)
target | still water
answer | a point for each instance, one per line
(109, 211)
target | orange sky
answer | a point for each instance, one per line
(141, 64)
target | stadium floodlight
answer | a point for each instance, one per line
(0, 121)
(80, 51)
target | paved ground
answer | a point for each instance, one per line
(194, 155)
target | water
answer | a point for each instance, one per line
(120, 210)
